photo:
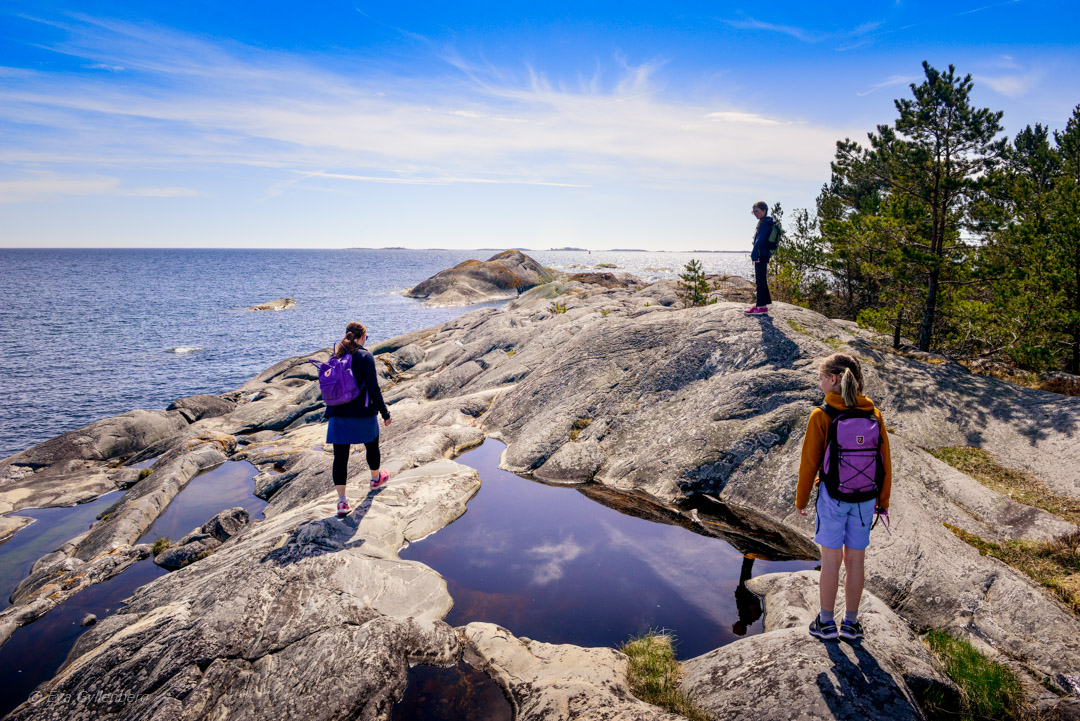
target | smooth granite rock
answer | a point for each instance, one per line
(276, 304)
(501, 276)
(785, 673)
(204, 539)
(303, 614)
(552, 682)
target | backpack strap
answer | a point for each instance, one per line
(830, 411)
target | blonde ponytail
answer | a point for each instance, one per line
(850, 372)
(849, 388)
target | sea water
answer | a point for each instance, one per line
(90, 333)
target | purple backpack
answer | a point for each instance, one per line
(337, 383)
(852, 470)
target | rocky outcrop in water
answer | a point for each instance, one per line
(276, 304)
(501, 276)
(622, 389)
(203, 540)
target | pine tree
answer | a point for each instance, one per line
(694, 287)
(933, 157)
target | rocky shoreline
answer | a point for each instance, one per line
(621, 389)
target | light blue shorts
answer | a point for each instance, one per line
(842, 524)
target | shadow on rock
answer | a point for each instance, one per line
(325, 535)
(860, 688)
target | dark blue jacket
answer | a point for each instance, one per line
(761, 240)
(370, 400)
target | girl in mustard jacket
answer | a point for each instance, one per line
(843, 528)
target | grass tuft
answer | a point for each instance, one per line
(556, 308)
(160, 544)
(1054, 564)
(1021, 487)
(579, 425)
(653, 674)
(797, 326)
(988, 690)
(146, 473)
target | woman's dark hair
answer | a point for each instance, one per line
(351, 342)
(850, 372)
(762, 205)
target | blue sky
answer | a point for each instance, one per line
(207, 124)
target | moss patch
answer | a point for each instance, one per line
(160, 544)
(1021, 487)
(1054, 564)
(146, 473)
(653, 674)
(797, 326)
(988, 690)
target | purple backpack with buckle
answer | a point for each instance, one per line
(852, 470)
(337, 383)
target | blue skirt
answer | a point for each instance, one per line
(352, 430)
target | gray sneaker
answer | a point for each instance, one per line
(824, 631)
(851, 631)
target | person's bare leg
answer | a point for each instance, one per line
(855, 569)
(830, 577)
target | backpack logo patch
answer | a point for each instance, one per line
(859, 440)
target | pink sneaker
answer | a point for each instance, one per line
(343, 508)
(752, 311)
(379, 482)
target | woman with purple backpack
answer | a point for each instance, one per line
(847, 443)
(356, 421)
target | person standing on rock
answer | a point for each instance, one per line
(760, 255)
(356, 421)
(846, 443)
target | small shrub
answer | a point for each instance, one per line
(604, 313)
(988, 690)
(579, 425)
(146, 473)
(160, 544)
(556, 308)
(511, 353)
(647, 304)
(653, 674)
(694, 287)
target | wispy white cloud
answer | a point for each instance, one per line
(986, 7)
(1013, 85)
(185, 101)
(889, 82)
(806, 35)
(40, 185)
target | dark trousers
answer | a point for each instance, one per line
(761, 269)
(341, 460)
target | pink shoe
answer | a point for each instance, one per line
(343, 508)
(379, 482)
(752, 311)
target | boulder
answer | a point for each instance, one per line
(77, 466)
(277, 304)
(787, 673)
(557, 682)
(500, 277)
(198, 407)
(203, 540)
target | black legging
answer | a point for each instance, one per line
(761, 276)
(341, 460)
